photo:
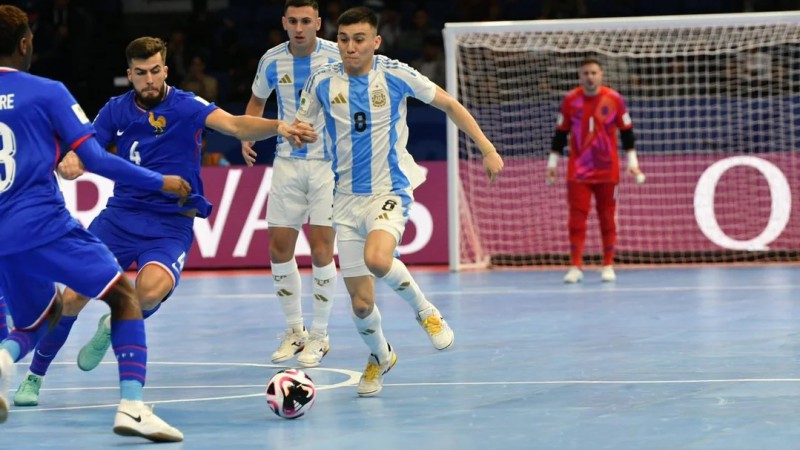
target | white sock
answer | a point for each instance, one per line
(287, 288)
(369, 328)
(400, 280)
(324, 290)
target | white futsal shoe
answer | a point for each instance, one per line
(134, 418)
(438, 330)
(317, 346)
(371, 382)
(574, 275)
(607, 274)
(6, 374)
(292, 343)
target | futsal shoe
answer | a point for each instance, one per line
(293, 343)
(574, 275)
(371, 381)
(28, 391)
(93, 352)
(134, 418)
(438, 330)
(316, 348)
(607, 274)
(6, 374)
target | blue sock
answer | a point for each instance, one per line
(3, 321)
(146, 314)
(130, 348)
(49, 346)
(19, 343)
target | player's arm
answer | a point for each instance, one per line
(629, 144)
(492, 161)
(107, 165)
(255, 107)
(249, 128)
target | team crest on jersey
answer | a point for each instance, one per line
(378, 98)
(159, 123)
(604, 110)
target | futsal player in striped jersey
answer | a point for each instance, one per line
(158, 127)
(43, 244)
(591, 114)
(302, 185)
(363, 99)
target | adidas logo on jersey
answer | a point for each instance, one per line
(383, 216)
(339, 99)
(286, 79)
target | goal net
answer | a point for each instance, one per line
(715, 102)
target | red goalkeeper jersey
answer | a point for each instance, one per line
(592, 123)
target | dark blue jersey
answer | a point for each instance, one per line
(34, 114)
(166, 139)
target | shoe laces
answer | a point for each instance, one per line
(432, 324)
(31, 384)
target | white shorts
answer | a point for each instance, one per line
(354, 216)
(302, 189)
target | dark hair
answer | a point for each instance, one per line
(300, 4)
(145, 47)
(591, 60)
(359, 15)
(13, 27)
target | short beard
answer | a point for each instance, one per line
(152, 102)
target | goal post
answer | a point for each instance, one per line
(715, 101)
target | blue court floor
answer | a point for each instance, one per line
(667, 358)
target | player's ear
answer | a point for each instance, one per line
(377, 41)
(285, 23)
(319, 23)
(130, 75)
(166, 72)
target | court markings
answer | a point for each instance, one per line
(352, 378)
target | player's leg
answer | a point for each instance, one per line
(348, 220)
(323, 269)
(386, 223)
(579, 197)
(4, 328)
(35, 303)
(605, 196)
(47, 348)
(287, 210)
(367, 317)
(91, 270)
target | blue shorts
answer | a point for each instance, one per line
(146, 237)
(77, 259)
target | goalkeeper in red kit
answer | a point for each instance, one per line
(591, 114)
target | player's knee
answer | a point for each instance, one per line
(72, 303)
(362, 307)
(378, 263)
(151, 296)
(321, 257)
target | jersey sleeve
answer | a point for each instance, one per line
(309, 101)
(69, 120)
(104, 126)
(198, 109)
(562, 121)
(624, 121)
(263, 83)
(418, 85)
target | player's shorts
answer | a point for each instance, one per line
(146, 237)
(78, 259)
(301, 191)
(355, 216)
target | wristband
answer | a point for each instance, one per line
(552, 161)
(633, 161)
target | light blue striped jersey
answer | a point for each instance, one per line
(286, 74)
(365, 119)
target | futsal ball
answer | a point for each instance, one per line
(290, 393)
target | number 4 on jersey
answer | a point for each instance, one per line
(135, 156)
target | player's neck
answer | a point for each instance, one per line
(11, 63)
(302, 52)
(592, 92)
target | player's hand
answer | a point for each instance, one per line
(298, 133)
(493, 164)
(248, 153)
(178, 186)
(71, 166)
(637, 173)
(550, 176)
